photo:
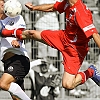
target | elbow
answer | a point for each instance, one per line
(99, 46)
(96, 38)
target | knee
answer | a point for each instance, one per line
(3, 85)
(68, 85)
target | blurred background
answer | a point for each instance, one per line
(46, 62)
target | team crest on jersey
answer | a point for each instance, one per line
(11, 23)
(10, 68)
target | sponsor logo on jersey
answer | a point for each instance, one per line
(23, 25)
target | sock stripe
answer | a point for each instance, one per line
(83, 75)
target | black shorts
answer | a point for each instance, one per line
(18, 66)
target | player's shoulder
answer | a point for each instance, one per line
(18, 17)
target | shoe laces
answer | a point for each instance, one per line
(97, 72)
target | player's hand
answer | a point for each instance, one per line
(15, 44)
(29, 6)
(1, 27)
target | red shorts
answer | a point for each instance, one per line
(73, 55)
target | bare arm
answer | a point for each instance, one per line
(96, 38)
(72, 2)
(42, 7)
(46, 7)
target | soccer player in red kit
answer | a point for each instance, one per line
(71, 42)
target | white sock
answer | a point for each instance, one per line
(16, 90)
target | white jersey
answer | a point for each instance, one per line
(13, 23)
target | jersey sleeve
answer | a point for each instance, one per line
(84, 19)
(59, 6)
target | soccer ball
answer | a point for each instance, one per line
(12, 8)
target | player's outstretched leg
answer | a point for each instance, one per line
(96, 75)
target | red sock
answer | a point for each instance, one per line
(89, 73)
(86, 74)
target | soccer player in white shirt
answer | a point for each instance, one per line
(15, 58)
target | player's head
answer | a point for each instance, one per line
(2, 0)
(1, 6)
(2, 14)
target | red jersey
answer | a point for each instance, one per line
(79, 23)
